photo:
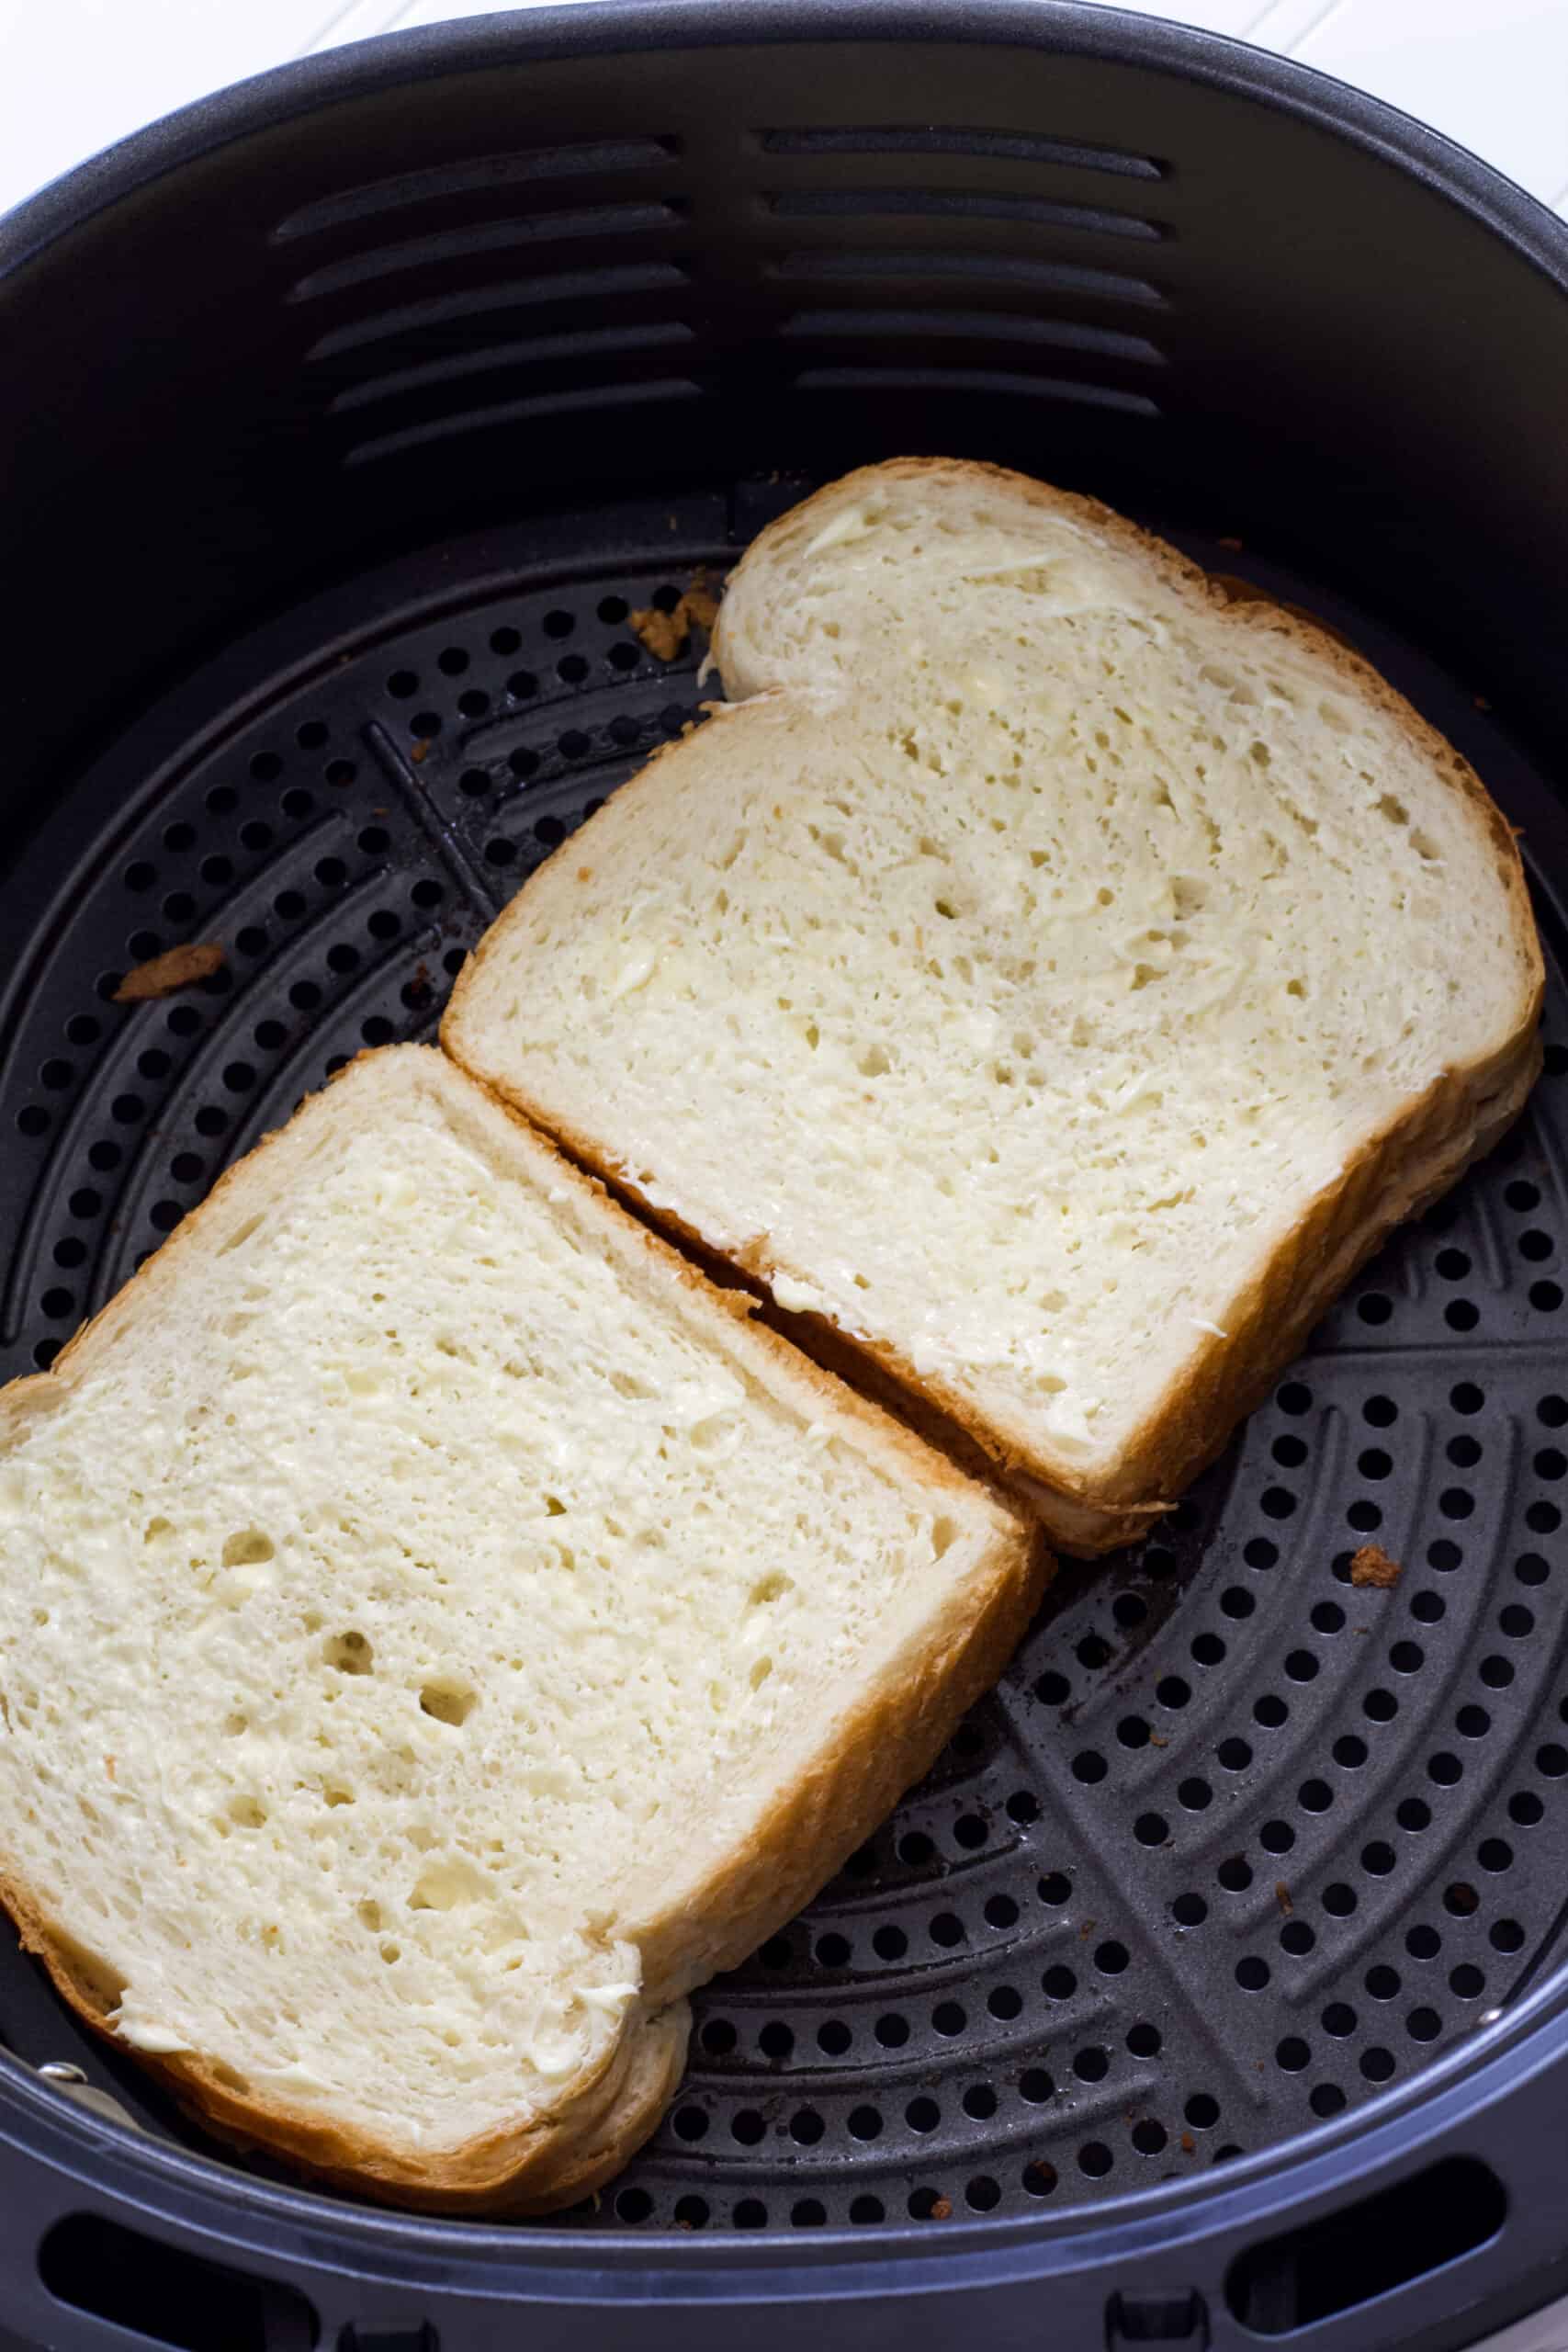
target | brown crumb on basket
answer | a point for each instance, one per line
(178, 967)
(665, 634)
(1236, 545)
(1282, 1897)
(942, 2209)
(1480, 702)
(1372, 1566)
(1188, 2144)
(417, 751)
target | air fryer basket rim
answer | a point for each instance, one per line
(1454, 2103)
(608, 26)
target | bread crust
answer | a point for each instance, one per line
(1424, 1146)
(864, 1763)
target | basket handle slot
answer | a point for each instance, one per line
(154, 2293)
(1350, 2257)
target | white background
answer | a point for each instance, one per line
(75, 75)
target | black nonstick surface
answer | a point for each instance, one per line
(1235, 1843)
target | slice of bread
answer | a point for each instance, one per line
(438, 1629)
(1054, 975)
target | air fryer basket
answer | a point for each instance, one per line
(1210, 1986)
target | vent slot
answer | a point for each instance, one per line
(479, 176)
(541, 351)
(957, 204)
(494, 236)
(997, 269)
(975, 326)
(523, 411)
(1364, 2250)
(885, 380)
(591, 287)
(162, 2295)
(1001, 146)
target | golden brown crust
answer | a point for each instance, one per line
(888, 1740)
(1421, 1151)
(544, 2164)
(881, 1748)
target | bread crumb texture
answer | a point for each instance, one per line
(1008, 975)
(399, 1566)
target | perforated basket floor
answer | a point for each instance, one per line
(1236, 1842)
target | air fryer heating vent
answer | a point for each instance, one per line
(930, 139)
(504, 290)
(1238, 1841)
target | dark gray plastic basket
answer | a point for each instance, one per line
(349, 416)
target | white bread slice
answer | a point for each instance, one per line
(1052, 975)
(437, 1630)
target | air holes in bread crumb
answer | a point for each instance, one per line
(237, 1240)
(761, 1673)
(450, 1703)
(248, 1548)
(942, 1534)
(1394, 808)
(350, 1653)
(444, 1886)
(770, 1589)
(247, 1813)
